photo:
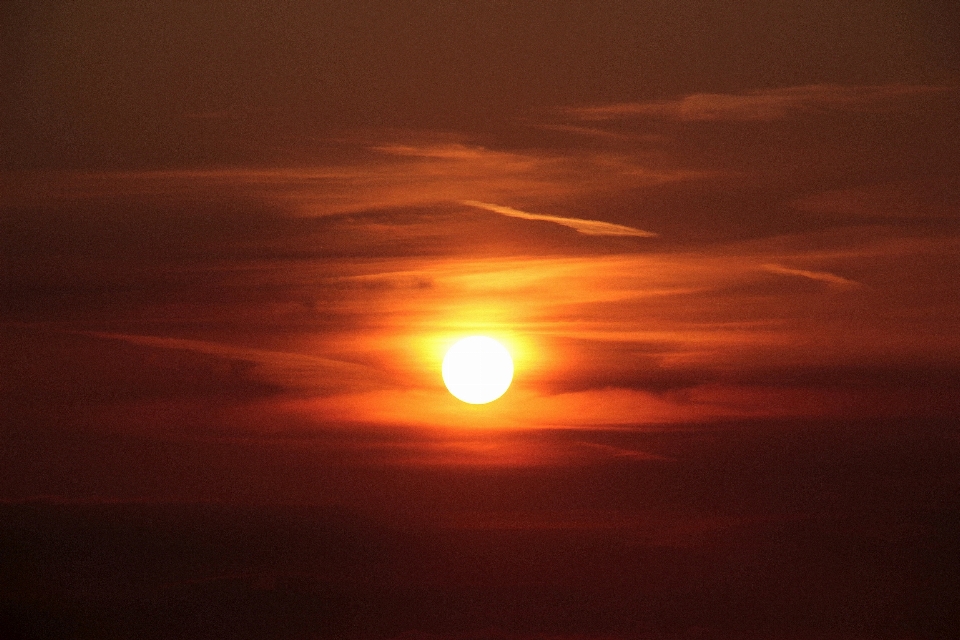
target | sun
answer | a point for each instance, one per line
(477, 369)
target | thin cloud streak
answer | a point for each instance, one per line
(915, 200)
(293, 370)
(586, 227)
(822, 276)
(419, 173)
(766, 105)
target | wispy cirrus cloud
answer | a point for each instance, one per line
(586, 227)
(291, 370)
(916, 200)
(391, 177)
(763, 105)
(821, 276)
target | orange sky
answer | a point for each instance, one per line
(237, 238)
(638, 279)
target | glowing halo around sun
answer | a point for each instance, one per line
(477, 369)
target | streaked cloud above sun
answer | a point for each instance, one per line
(822, 276)
(586, 227)
(763, 105)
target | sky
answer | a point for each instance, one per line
(720, 240)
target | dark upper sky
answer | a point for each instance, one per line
(720, 239)
(118, 84)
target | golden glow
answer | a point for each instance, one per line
(477, 369)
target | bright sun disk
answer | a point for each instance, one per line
(477, 369)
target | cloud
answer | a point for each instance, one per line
(762, 105)
(369, 258)
(822, 276)
(904, 200)
(292, 370)
(416, 172)
(586, 227)
(452, 151)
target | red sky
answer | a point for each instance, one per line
(720, 240)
